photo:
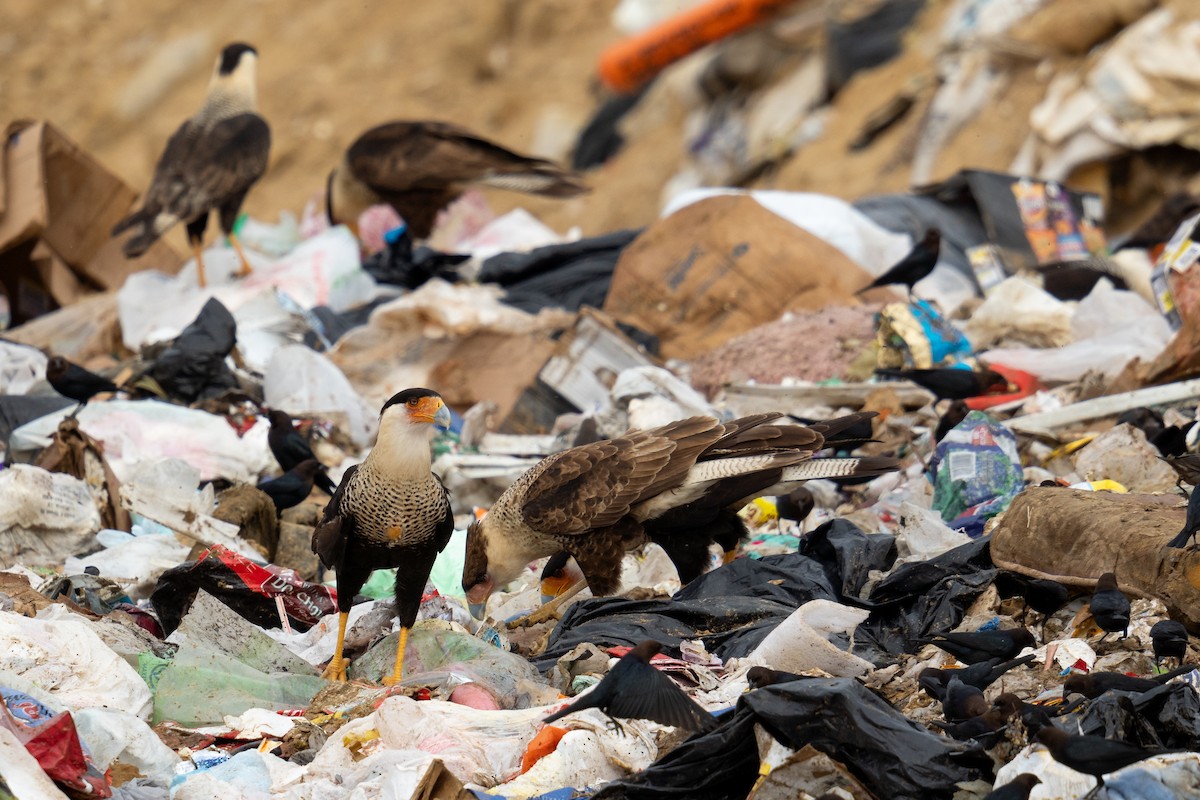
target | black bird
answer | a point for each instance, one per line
(962, 702)
(1170, 640)
(292, 487)
(290, 449)
(76, 383)
(1094, 684)
(949, 383)
(1191, 525)
(1172, 440)
(915, 266)
(1043, 596)
(1091, 755)
(759, 677)
(1186, 466)
(955, 414)
(981, 675)
(1110, 607)
(796, 505)
(1016, 789)
(636, 690)
(975, 647)
(1032, 716)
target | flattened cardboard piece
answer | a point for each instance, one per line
(720, 267)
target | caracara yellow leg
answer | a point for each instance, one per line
(336, 671)
(197, 251)
(394, 678)
(245, 269)
(549, 610)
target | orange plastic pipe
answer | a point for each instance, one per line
(629, 63)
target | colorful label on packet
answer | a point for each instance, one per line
(1035, 217)
(1067, 237)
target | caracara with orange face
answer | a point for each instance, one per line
(679, 486)
(389, 511)
(209, 163)
(418, 168)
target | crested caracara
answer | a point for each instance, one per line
(418, 168)
(209, 163)
(389, 511)
(679, 486)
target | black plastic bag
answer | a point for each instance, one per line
(848, 555)
(1168, 716)
(193, 366)
(567, 276)
(400, 264)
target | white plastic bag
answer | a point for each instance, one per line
(801, 641)
(302, 381)
(66, 659)
(140, 559)
(21, 366)
(44, 516)
(113, 734)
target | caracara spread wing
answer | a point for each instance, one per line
(420, 167)
(677, 485)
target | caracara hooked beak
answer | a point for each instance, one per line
(416, 407)
(479, 587)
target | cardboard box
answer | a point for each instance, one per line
(57, 208)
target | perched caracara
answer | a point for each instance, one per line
(209, 163)
(679, 486)
(389, 511)
(418, 168)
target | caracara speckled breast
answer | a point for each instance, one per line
(418, 168)
(209, 163)
(679, 485)
(389, 511)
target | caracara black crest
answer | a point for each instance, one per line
(232, 55)
(407, 396)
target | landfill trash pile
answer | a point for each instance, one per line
(883, 489)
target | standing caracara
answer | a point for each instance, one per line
(418, 168)
(209, 163)
(389, 511)
(679, 486)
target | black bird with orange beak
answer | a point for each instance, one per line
(389, 511)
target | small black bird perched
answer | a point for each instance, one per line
(1043, 596)
(1191, 525)
(1091, 755)
(1172, 440)
(290, 449)
(914, 267)
(962, 702)
(636, 690)
(955, 414)
(977, 646)
(76, 383)
(796, 505)
(1170, 640)
(759, 677)
(1094, 684)
(949, 383)
(981, 675)
(1016, 789)
(292, 487)
(1110, 607)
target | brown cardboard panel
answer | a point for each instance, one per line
(24, 201)
(721, 267)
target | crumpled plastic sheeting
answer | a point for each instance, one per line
(1110, 327)
(1139, 93)
(20, 771)
(21, 367)
(302, 381)
(1168, 716)
(44, 516)
(847, 555)
(803, 641)
(837, 222)
(323, 270)
(729, 609)
(148, 430)
(1018, 310)
(485, 749)
(582, 758)
(111, 734)
(66, 659)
